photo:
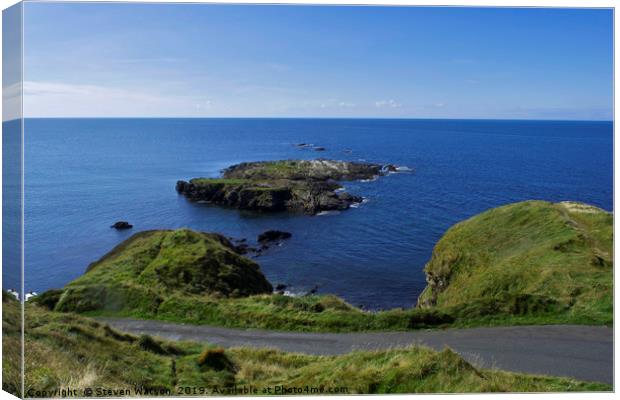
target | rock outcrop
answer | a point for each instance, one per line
(273, 236)
(527, 258)
(153, 266)
(121, 225)
(308, 186)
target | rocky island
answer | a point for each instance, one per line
(308, 186)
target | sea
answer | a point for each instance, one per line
(82, 175)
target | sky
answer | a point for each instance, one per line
(199, 60)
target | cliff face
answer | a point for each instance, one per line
(532, 257)
(307, 186)
(152, 265)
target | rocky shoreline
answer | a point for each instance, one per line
(308, 186)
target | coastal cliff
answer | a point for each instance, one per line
(146, 269)
(308, 186)
(528, 258)
(528, 262)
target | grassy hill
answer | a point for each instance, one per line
(65, 350)
(532, 260)
(151, 266)
(198, 277)
(529, 262)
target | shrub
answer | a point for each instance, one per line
(421, 318)
(215, 359)
(49, 298)
(149, 344)
(123, 337)
(529, 304)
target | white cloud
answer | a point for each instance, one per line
(11, 101)
(329, 104)
(387, 104)
(52, 99)
(203, 105)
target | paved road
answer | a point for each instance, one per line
(582, 352)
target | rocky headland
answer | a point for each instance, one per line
(532, 262)
(308, 186)
(533, 259)
(152, 266)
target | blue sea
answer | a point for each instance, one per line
(82, 175)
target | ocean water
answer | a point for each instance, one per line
(82, 175)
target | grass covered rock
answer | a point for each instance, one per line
(308, 186)
(547, 261)
(526, 263)
(150, 267)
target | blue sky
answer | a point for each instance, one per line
(287, 61)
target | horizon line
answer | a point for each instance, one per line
(321, 118)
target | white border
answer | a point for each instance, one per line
(470, 3)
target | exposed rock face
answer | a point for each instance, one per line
(273, 235)
(307, 186)
(122, 225)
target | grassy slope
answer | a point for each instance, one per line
(191, 277)
(278, 312)
(11, 343)
(530, 262)
(533, 260)
(277, 170)
(67, 350)
(151, 266)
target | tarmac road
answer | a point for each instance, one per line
(581, 352)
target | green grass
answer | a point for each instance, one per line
(271, 170)
(526, 263)
(222, 181)
(65, 350)
(150, 266)
(278, 312)
(538, 261)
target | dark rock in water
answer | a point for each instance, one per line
(280, 287)
(122, 225)
(273, 235)
(312, 291)
(241, 240)
(308, 186)
(242, 249)
(320, 149)
(302, 145)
